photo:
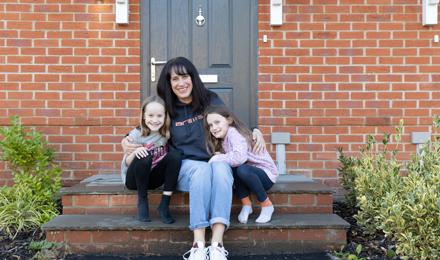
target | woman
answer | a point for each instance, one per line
(209, 184)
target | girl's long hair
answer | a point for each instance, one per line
(215, 145)
(165, 129)
(201, 96)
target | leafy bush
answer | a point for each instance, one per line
(367, 179)
(376, 174)
(412, 212)
(348, 176)
(405, 207)
(30, 202)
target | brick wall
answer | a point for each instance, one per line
(69, 70)
(338, 70)
(335, 71)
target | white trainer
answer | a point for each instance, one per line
(217, 252)
(197, 252)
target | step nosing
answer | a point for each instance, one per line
(123, 191)
(129, 223)
(98, 185)
(97, 192)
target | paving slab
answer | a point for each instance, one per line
(314, 256)
(114, 222)
(112, 184)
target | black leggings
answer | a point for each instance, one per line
(250, 178)
(141, 177)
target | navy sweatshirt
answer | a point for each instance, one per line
(187, 132)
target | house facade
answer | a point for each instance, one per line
(333, 72)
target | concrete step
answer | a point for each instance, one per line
(105, 194)
(285, 234)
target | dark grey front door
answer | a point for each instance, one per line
(224, 48)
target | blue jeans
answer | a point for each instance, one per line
(210, 192)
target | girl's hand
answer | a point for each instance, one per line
(214, 158)
(127, 146)
(140, 152)
(260, 144)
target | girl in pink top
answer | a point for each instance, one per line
(230, 141)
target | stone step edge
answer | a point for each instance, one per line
(278, 188)
(130, 223)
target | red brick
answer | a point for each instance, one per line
(86, 157)
(378, 121)
(160, 235)
(123, 200)
(46, 8)
(82, 237)
(279, 199)
(302, 199)
(307, 234)
(237, 235)
(55, 236)
(270, 235)
(335, 235)
(324, 199)
(91, 200)
(66, 201)
(73, 211)
(110, 237)
(77, 8)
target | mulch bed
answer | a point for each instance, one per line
(373, 246)
(18, 248)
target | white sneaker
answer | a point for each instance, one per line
(196, 253)
(217, 253)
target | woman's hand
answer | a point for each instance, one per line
(127, 146)
(259, 143)
(140, 152)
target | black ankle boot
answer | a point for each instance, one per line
(143, 214)
(164, 210)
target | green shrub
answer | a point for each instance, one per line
(368, 178)
(412, 212)
(30, 202)
(376, 175)
(348, 176)
(405, 207)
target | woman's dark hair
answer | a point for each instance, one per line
(215, 145)
(201, 96)
(145, 131)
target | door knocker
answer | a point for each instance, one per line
(200, 20)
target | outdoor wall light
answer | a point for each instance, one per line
(430, 10)
(121, 12)
(276, 12)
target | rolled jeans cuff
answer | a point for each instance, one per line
(199, 225)
(219, 220)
